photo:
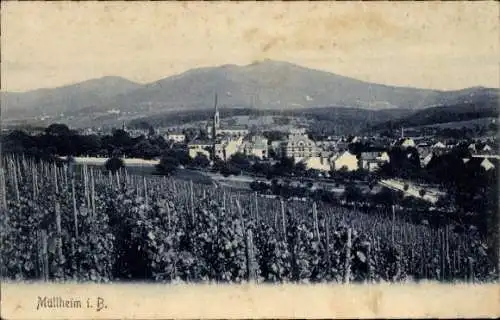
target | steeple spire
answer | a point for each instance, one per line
(215, 103)
(216, 120)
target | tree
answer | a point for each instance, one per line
(146, 150)
(240, 161)
(262, 168)
(352, 193)
(114, 164)
(167, 165)
(58, 129)
(200, 161)
(121, 139)
(259, 186)
(300, 168)
(422, 192)
(180, 154)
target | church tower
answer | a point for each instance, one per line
(216, 120)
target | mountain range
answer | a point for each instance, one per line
(265, 84)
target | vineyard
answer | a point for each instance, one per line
(61, 223)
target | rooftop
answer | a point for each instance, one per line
(200, 142)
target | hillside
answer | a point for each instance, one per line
(91, 93)
(262, 85)
(485, 107)
(269, 85)
(345, 120)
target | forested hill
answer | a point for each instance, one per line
(484, 108)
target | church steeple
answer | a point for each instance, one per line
(216, 120)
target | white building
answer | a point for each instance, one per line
(425, 161)
(346, 161)
(371, 161)
(299, 146)
(226, 147)
(407, 143)
(176, 137)
(198, 146)
(257, 147)
(438, 145)
(487, 165)
(321, 163)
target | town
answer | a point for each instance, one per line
(271, 151)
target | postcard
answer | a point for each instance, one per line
(249, 160)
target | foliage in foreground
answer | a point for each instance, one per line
(98, 227)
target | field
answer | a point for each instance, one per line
(61, 224)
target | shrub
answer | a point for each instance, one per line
(114, 164)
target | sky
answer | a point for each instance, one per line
(445, 46)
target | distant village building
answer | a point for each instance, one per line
(486, 162)
(347, 161)
(425, 161)
(226, 147)
(299, 146)
(438, 145)
(137, 133)
(200, 146)
(472, 147)
(233, 131)
(176, 136)
(256, 146)
(487, 165)
(322, 162)
(407, 143)
(371, 161)
(487, 148)
(342, 145)
(355, 140)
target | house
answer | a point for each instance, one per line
(229, 131)
(233, 131)
(326, 144)
(199, 146)
(487, 164)
(355, 140)
(404, 143)
(341, 145)
(424, 149)
(176, 137)
(299, 147)
(137, 133)
(371, 161)
(226, 147)
(297, 131)
(425, 161)
(487, 148)
(257, 147)
(407, 143)
(451, 144)
(322, 162)
(346, 161)
(438, 145)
